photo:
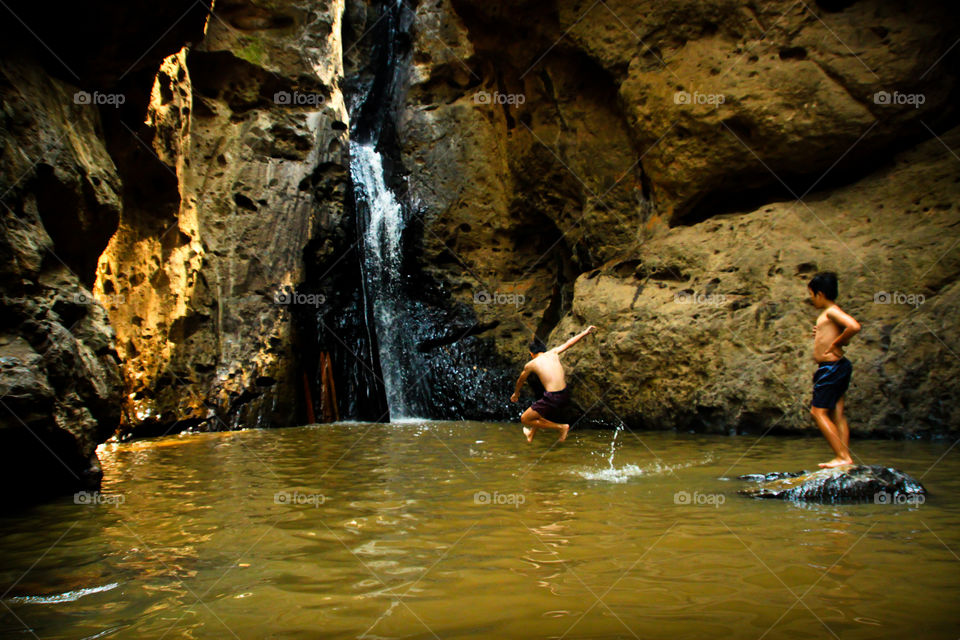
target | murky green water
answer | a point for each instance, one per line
(461, 530)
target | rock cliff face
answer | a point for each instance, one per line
(674, 173)
(156, 204)
(242, 156)
(61, 197)
(59, 382)
(707, 326)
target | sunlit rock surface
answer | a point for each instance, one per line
(243, 148)
(62, 196)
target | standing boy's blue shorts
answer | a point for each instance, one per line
(830, 382)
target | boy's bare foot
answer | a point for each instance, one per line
(528, 432)
(836, 462)
(564, 430)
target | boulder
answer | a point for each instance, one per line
(707, 327)
(851, 483)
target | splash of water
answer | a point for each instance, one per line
(613, 444)
(612, 474)
(627, 471)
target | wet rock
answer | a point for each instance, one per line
(854, 483)
(774, 475)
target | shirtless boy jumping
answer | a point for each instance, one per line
(543, 413)
(832, 333)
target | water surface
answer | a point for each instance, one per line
(461, 530)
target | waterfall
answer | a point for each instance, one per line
(410, 351)
(382, 216)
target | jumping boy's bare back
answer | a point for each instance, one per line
(548, 368)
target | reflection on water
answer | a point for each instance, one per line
(462, 530)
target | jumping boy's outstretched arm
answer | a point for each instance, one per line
(574, 340)
(527, 370)
(850, 328)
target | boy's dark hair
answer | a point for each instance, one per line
(825, 282)
(537, 346)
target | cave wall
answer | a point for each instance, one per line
(157, 202)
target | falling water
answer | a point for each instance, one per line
(381, 268)
(426, 358)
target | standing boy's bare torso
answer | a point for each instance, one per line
(824, 333)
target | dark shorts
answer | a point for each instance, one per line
(551, 404)
(830, 382)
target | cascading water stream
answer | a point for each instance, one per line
(381, 268)
(418, 353)
(380, 217)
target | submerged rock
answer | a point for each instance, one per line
(854, 483)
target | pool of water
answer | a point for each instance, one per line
(462, 530)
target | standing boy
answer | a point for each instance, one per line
(832, 333)
(547, 411)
